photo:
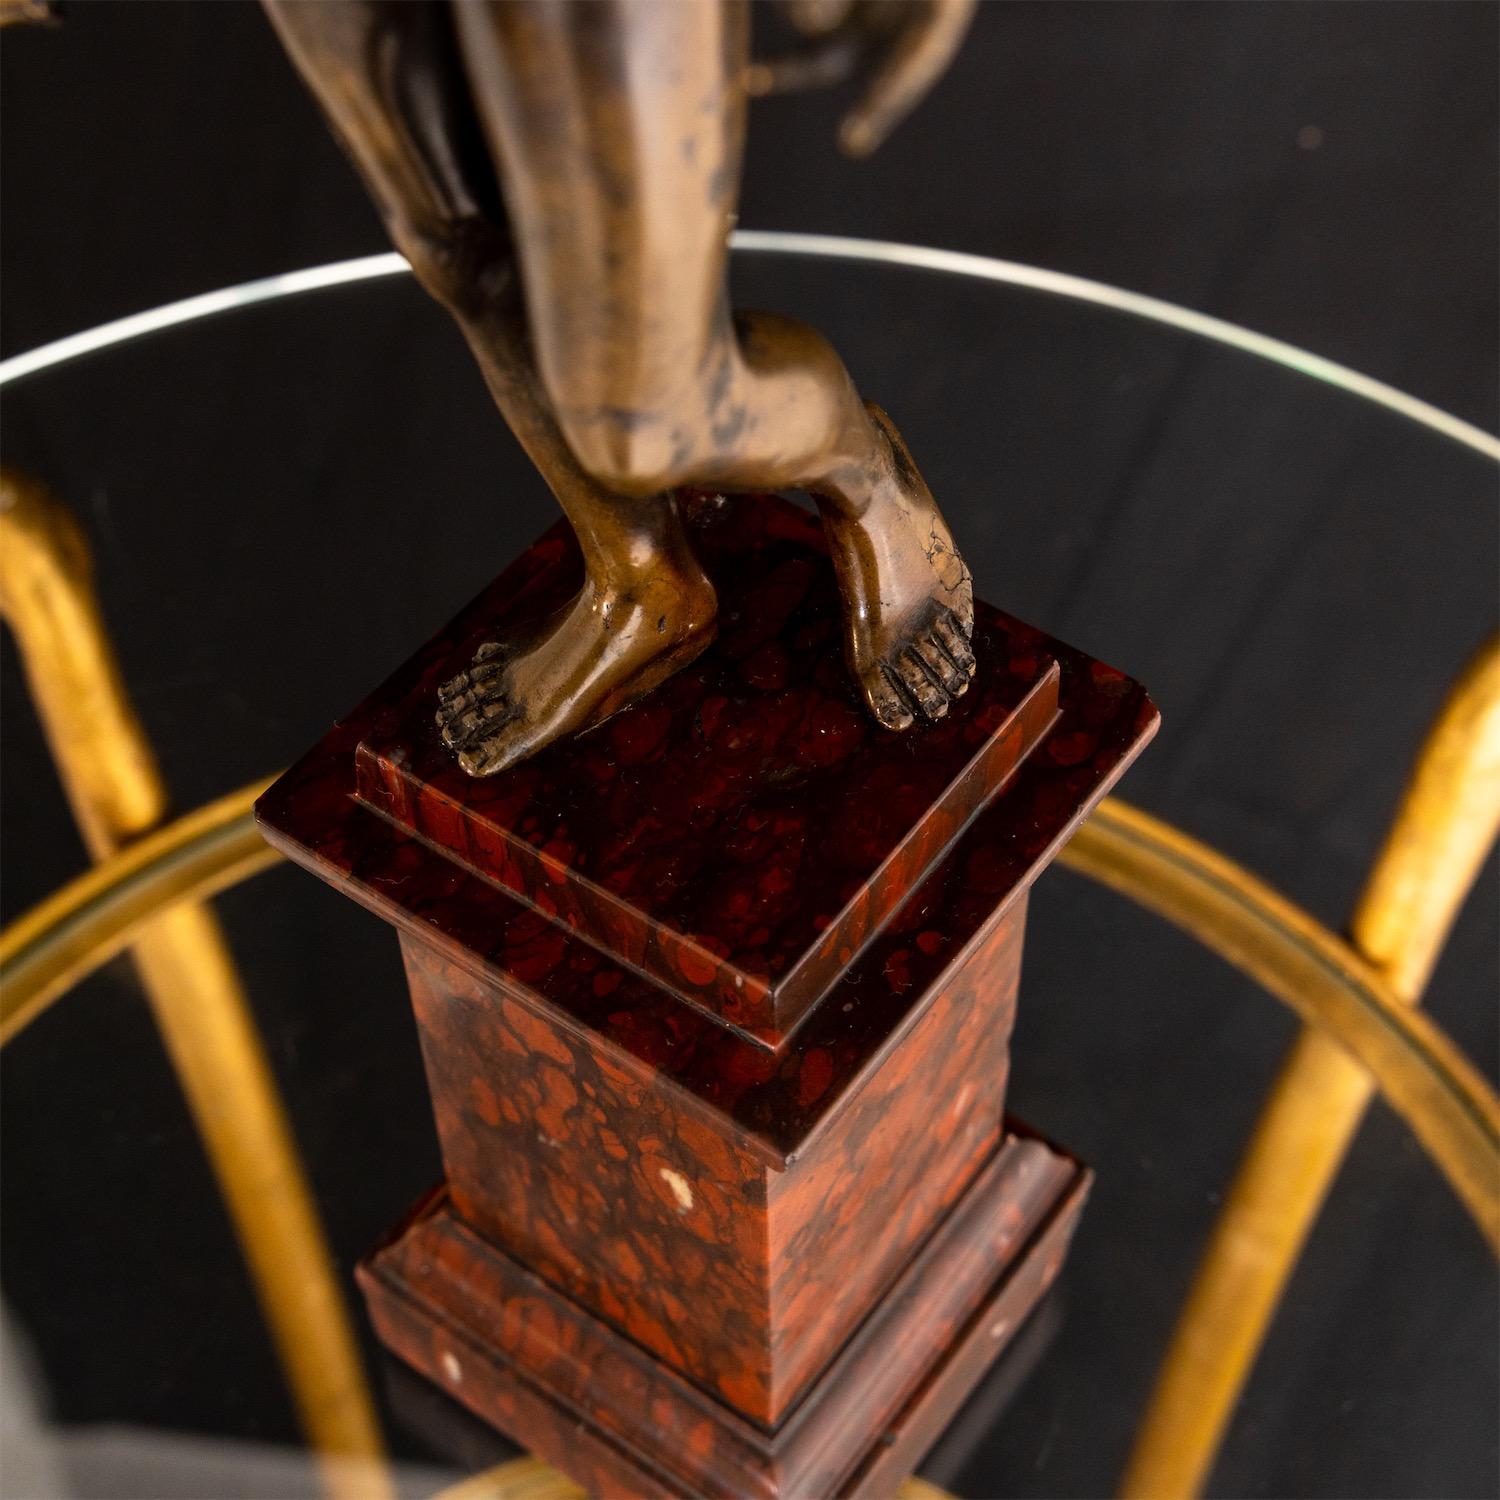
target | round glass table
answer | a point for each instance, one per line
(1266, 1296)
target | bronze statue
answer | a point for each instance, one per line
(563, 176)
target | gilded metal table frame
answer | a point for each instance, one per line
(149, 888)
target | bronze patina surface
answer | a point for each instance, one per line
(563, 176)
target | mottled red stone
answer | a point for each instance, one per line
(313, 815)
(584, 1168)
(507, 1345)
(743, 832)
(729, 1180)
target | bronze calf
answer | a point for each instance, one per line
(563, 176)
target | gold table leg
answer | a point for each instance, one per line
(112, 781)
(1441, 834)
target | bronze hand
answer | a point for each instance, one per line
(903, 46)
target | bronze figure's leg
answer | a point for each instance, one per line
(387, 74)
(620, 125)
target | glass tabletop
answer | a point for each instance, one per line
(281, 503)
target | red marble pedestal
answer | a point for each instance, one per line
(715, 1003)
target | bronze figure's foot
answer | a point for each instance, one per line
(612, 646)
(908, 596)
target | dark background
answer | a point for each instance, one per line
(284, 504)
